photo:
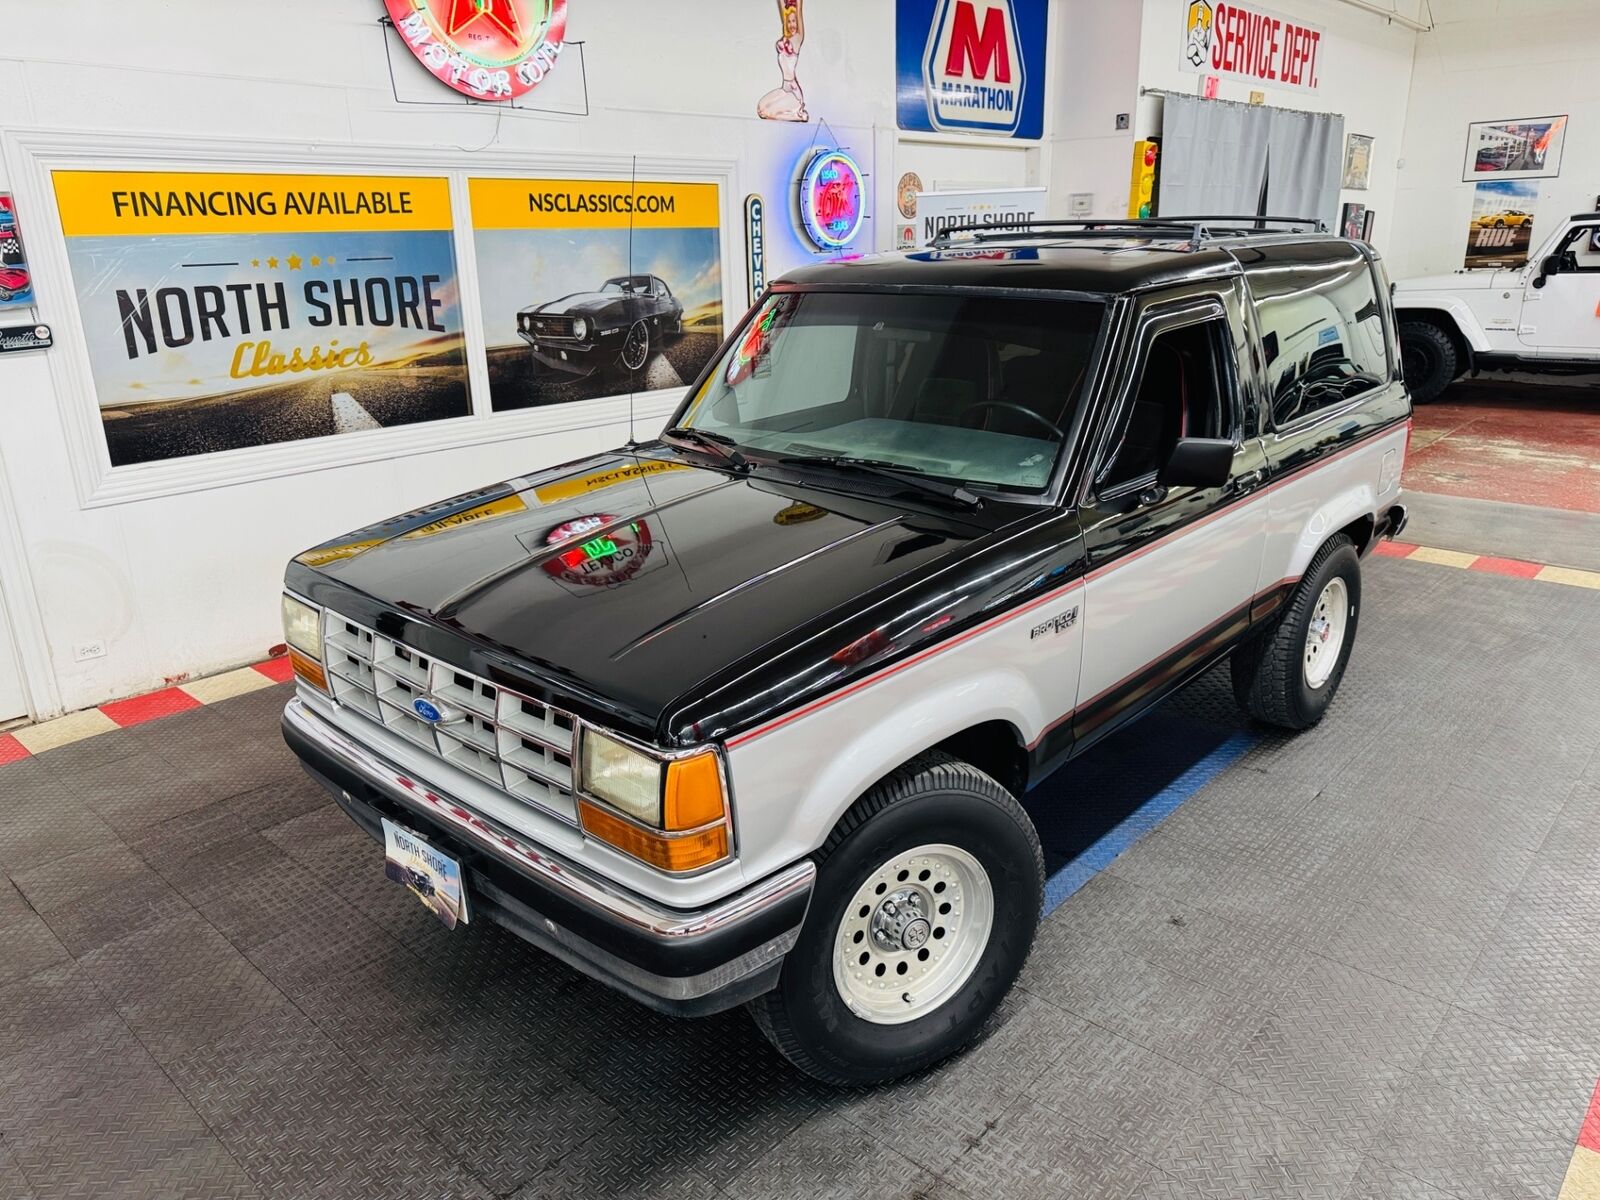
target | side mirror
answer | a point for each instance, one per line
(1548, 266)
(1198, 462)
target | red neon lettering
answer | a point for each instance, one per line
(975, 50)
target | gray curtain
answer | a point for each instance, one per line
(1222, 157)
(1305, 163)
(1213, 156)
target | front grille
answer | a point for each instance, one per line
(514, 743)
(556, 328)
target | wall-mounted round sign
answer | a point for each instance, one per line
(486, 49)
(905, 194)
(832, 199)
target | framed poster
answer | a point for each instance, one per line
(1500, 229)
(16, 282)
(1366, 227)
(1524, 148)
(596, 287)
(1353, 221)
(1357, 161)
(224, 311)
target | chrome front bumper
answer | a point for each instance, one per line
(687, 962)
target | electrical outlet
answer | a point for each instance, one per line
(1123, 121)
(84, 651)
(1081, 204)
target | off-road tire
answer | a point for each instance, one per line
(1269, 676)
(1430, 359)
(934, 798)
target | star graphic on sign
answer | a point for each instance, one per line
(315, 261)
(502, 12)
(255, 262)
(329, 260)
(294, 262)
(273, 263)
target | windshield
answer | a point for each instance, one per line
(972, 388)
(625, 284)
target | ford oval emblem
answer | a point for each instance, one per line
(427, 710)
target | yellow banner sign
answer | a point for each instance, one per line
(583, 484)
(502, 507)
(592, 204)
(113, 203)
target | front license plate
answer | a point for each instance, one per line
(432, 877)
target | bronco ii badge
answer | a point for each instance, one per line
(484, 49)
(1055, 624)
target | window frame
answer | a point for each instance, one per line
(1155, 319)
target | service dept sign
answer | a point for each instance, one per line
(1245, 41)
(971, 66)
(485, 49)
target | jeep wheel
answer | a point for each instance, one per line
(1287, 674)
(1428, 357)
(927, 899)
(635, 347)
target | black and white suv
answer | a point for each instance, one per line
(742, 715)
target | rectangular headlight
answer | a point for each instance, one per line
(302, 626)
(623, 777)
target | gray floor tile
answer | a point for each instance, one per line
(1029, 1151)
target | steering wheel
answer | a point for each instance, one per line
(1008, 406)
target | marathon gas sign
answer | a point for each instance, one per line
(1244, 41)
(971, 66)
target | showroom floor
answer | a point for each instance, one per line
(1356, 963)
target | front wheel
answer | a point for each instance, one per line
(1428, 357)
(635, 347)
(1287, 674)
(927, 899)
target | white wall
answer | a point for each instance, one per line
(187, 583)
(1364, 69)
(1096, 49)
(1494, 60)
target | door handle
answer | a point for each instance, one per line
(1250, 479)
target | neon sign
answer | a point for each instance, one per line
(832, 199)
(484, 49)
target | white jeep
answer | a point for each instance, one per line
(1542, 316)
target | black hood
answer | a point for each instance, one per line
(688, 572)
(578, 303)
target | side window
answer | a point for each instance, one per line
(1185, 390)
(1323, 340)
(1580, 250)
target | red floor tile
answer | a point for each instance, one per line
(1393, 549)
(149, 708)
(278, 669)
(1507, 566)
(11, 750)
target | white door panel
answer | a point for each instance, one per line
(1563, 317)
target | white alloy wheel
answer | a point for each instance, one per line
(913, 934)
(1325, 633)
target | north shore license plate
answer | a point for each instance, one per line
(432, 877)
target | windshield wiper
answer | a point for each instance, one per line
(718, 443)
(913, 478)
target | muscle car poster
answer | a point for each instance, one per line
(1525, 148)
(227, 311)
(1500, 229)
(596, 287)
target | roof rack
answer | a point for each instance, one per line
(1194, 229)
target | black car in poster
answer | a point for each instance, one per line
(615, 327)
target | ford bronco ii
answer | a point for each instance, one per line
(741, 715)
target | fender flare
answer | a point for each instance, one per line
(1353, 503)
(1452, 307)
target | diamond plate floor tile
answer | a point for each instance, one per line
(147, 962)
(200, 1008)
(1233, 1146)
(1470, 1149)
(46, 1004)
(932, 1117)
(105, 916)
(1119, 1091)
(1029, 1151)
(39, 827)
(1401, 950)
(139, 791)
(29, 946)
(828, 1158)
(1379, 1181)
(1540, 1079)
(1198, 1026)
(74, 876)
(1414, 887)
(619, 1164)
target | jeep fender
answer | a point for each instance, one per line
(792, 783)
(1444, 308)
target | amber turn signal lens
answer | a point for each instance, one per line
(683, 853)
(308, 669)
(694, 792)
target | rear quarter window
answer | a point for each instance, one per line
(1321, 325)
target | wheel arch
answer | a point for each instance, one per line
(1350, 512)
(1453, 318)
